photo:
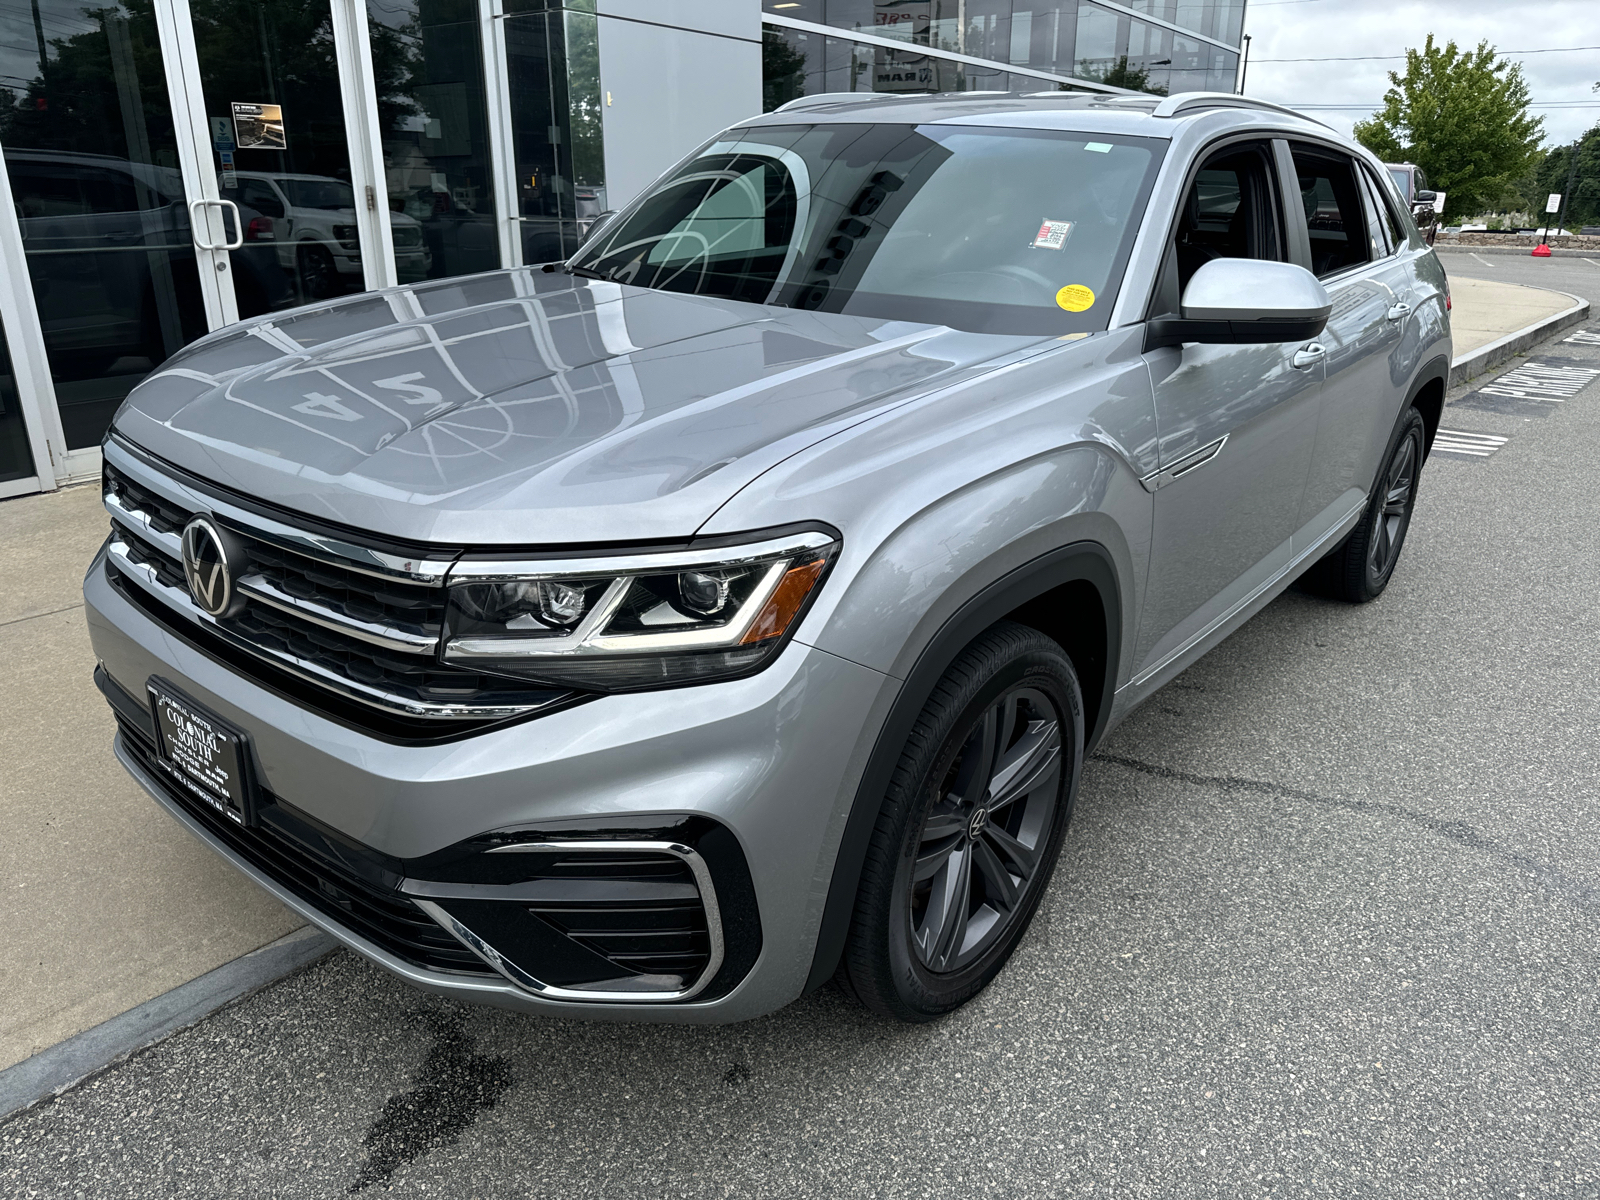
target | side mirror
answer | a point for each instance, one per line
(1424, 198)
(596, 224)
(1244, 301)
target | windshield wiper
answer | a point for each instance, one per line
(586, 273)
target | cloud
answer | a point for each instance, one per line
(1325, 30)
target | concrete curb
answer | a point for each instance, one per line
(1486, 358)
(66, 1064)
(1521, 251)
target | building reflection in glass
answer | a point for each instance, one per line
(427, 57)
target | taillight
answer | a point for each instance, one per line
(1447, 299)
(259, 230)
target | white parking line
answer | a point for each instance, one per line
(1535, 380)
(1591, 262)
(1584, 337)
(1481, 259)
(1474, 445)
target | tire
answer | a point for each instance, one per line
(1009, 709)
(1360, 569)
(316, 273)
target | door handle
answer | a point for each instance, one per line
(1310, 356)
(1399, 311)
(194, 225)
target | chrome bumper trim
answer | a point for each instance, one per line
(417, 890)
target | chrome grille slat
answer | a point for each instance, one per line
(147, 576)
(361, 635)
(335, 552)
(392, 637)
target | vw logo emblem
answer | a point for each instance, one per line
(211, 558)
(979, 822)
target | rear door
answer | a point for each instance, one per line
(1358, 262)
(1236, 423)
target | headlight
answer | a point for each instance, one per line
(346, 236)
(626, 622)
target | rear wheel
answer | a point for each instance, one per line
(970, 829)
(1360, 569)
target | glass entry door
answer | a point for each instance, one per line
(269, 76)
(90, 147)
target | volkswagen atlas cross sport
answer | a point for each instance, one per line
(730, 608)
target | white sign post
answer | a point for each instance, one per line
(1438, 202)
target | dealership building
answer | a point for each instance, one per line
(174, 166)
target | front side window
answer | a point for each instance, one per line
(1332, 204)
(987, 230)
(319, 193)
(1230, 211)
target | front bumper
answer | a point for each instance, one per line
(771, 761)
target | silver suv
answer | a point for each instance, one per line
(664, 633)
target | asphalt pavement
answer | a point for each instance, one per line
(1324, 926)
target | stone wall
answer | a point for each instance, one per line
(1572, 241)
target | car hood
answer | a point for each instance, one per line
(526, 407)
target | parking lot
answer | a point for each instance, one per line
(1324, 926)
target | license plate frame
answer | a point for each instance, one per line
(205, 755)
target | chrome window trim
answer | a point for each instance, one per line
(145, 578)
(417, 890)
(329, 550)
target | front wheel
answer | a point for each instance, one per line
(1360, 568)
(970, 828)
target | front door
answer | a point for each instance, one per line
(1236, 426)
(1351, 254)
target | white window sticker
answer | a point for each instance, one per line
(1052, 235)
(1098, 147)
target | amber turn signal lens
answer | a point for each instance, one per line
(791, 593)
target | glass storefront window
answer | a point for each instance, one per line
(16, 459)
(427, 58)
(553, 66)
(87, 129)
(270, 79)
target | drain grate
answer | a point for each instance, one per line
(1469, 445)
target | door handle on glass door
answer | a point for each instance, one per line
(1310, 356)
(1400, 310)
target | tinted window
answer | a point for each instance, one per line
(1402, 180)
(261, 197)
(980, 229)
(1231, 211)
(1332, 205)
(319, 193)
(69, 190)
(1388, 215)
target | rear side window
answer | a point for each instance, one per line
(1383, 203)
(1331, 201)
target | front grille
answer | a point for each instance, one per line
(277, 847)
(663, 933)
(364, 641)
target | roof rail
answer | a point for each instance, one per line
(822, 98)
(1174, 106)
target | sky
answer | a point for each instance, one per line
(1324, 30)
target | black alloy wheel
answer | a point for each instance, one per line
(1361, 566)
(319, 278)
(970, 828)
(981, 839)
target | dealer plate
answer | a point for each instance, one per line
(202, 752)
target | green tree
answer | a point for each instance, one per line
(1120, 74)
(1462, 116)
(1553, 173)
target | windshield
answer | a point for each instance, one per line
(988, 230)
(318, 193)
(1402, 180)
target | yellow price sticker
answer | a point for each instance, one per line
(1075, 297)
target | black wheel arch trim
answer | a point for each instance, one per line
(1079, 562)
(1437, 369)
